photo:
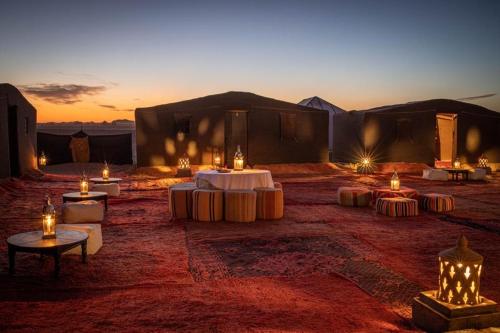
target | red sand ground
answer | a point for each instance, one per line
(323, 268)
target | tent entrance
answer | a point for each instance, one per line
(15, 170)
(446, 137)
(235, 133)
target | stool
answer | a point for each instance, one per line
(112, 189)
(208, 205)
(82, 211)
(269, 203)
(397, 206)
(94, 242)
(436, 202)
(180, 201)
(354, 196)
(240, 205)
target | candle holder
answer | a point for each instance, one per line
(48, 220)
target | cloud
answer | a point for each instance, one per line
(62, 93)
(471, 98)
(114, 108)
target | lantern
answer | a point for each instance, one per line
(238, 159)
(42, 160)
(217, 160)
(395, 181)
(84, 184)
(183, 162)
(459, 273)
(483, 162)
(457, 164)
(105, 171)
(48, 220)
(365, 164)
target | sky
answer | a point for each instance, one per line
(99, 60)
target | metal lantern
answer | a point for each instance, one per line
(483, 161)
(459, 274)
(395, 181)
(48, 220)
(457, 164)
(183, 162)
(42, 159)
(105, 171)
(84, 184)
(217, 160)
(239, 159)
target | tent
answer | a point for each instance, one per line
(268, 131)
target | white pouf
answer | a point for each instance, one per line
(82, 211)
(94, 242)
(435, 174)
(478, 174)
(112, 189)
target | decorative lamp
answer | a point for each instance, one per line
(457, 164)
(48, 220)
(183, 166)
(365, 165)
(105, 171)
(42, 160)
(217, 160)
(483, 161)
(395, 181)
(84, 184)
(239, 159)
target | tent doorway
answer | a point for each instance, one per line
(446, 137)
(235, 133)
(15, 170)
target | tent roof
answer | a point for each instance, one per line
(13, 95)
(320, 104)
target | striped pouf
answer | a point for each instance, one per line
(240, 205)
(180, 201)
(436, 202)
(269, 203)
(354, 196)
(397, 207)
(208, 205)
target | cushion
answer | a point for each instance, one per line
(397, 206)
(112, 189)
(435, 174)
(354, 196)
(436, 202)
(94, 242)
(478, 174)
(208, 205)
(240, 205)
(82, 211)
(269, 203)
(180, 201)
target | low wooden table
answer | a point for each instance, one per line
(32, 242)
(77, 196)
(455, 172)
(100, 180)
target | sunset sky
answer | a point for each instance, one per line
(99, 60)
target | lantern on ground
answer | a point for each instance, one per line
(239, 159)
(84, 184)
(105, 171)
(457, 164)
(483, 162)
(48, 220)
(395, 181)
(42, 159)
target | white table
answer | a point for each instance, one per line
(247, 179)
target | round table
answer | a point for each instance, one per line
(100, 180)
(92, 195)
(32, 242)
(386, 192)
(247, 179)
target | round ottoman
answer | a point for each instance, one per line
(180, 201)
(397, 206)
(240, 205)
(208, 205)
(436, 202)
(82, 211)
(354, 196)
(269, 203)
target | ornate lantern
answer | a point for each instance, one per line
(395, 181)
(217, 160)
(459, 273)
(105, 171)
(239, 159)
(42, 159)
(183, 162)
(48, 220)
(483, 162)
(84, 184)
(365, 164)
(457, 164)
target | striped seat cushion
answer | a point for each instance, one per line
(269, 203)
(208, 205)
(240, 205)
(436, 202)
(397, 206)
(354, 196)
(180, 201)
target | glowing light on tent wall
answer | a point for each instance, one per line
(473, 139)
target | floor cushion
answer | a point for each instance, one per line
(180, 201)
(82, 211)
(208, 205)
(112, 189)
(397, 206)
(436, 202)
(435, 174)
(94, 242)
(269, 203)
(240, 205)
(354, 196)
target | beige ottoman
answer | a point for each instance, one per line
(180, 201)
(112, 189)
(82, 211)
(240, 205)
(269, 203)
(94, 242)
(208, 205)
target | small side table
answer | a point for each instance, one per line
(386, 192)
(32, 242)
(77, 196)
(100, 180)
(455, 172)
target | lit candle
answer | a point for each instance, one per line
(105, 171)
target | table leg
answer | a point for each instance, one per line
(57, 264)
(12, 260)
(467, 175)
(84, 251)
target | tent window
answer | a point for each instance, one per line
(404, 131)
(288, 127)
(182, 123)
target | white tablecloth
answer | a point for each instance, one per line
(247, 179)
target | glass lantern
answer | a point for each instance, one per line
(217, 160)
(105, 171)
(395, 181)
(239, 159)
(457, 164)
(48, 220)
(42, 159)
(84, 185)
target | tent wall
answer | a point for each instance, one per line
(348, 136)
(478, 134)
(4, 138)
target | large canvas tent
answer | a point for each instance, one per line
(17, 133)
(268, 131)
(422, 132)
